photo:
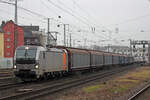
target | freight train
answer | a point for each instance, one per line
(35, 62)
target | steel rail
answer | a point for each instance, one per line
(61, 86)
(141, 91)
(10, 85)
(6, 79)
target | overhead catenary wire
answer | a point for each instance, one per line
(70, 13)
(4, 11)
(27, 10)
(73, 11)
(93, 23)
(35, 13)
(24, 9)
(130, 20)
(49, 7)
(41, 16)
(85, 18)
(89, 15)
(87, 31)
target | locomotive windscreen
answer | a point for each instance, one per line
(26, 56)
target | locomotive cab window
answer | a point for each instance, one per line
(26, 56)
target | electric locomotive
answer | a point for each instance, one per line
(26, 61)
(35, 62)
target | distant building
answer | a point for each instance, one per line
(32, 36)
(28, 36)
(1, 44)
(13, 37)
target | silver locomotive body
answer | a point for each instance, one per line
(33, 62)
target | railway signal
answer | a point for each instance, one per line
(143, 43)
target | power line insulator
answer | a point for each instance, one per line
(58, 25)
(143, 45)
(59, 16)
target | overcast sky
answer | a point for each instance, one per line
(129, 17)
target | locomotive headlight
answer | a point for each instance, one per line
(15, 66)
(26, 48)
(36, 66)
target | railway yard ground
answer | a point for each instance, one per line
(119, 86)
(6, 76)
(5, 71)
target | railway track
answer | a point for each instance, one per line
(140, 92)
(33, 93)
(5, 72)
(6, 80)
(10, 85)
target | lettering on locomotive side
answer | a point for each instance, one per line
(64, 61)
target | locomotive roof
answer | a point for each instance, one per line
(32, 47)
